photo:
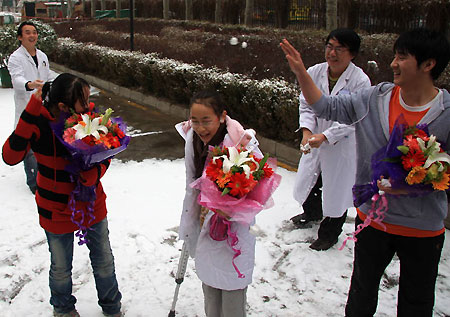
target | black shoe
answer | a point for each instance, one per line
(302, 221)
(322, 245)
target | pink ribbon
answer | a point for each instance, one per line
(376, 215)
(232, 240)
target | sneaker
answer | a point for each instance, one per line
(322, 245)
(72, 313)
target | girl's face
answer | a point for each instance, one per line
(79, 106)
(205, 121)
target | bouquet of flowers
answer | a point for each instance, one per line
(235, 185)
(90, 138)
(413, 161)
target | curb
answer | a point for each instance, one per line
(288, 156)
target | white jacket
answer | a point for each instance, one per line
(335, 159)
(22, 68)
(213, 258)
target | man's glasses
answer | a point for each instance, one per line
(337, 49)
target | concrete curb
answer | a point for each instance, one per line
(285, 154)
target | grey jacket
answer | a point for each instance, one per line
(368, 110)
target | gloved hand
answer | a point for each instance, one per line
(90, 177)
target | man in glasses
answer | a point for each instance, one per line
(328, 163)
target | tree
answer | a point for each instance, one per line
(282, 13)
(331, 13)
(92, 8)
(166, 9)
(189, 10)
(118, 8)
(249, 6)
(218, 12)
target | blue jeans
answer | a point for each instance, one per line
(102, 261)
(30, 166)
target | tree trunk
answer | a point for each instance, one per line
(118, 8)
(166, 9)
(249, 7)
(189, 10)
(92, 8)
(69, 8)
(103, 5)
(331, 15)
(218, 12)
(282, 13)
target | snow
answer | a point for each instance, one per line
(144, 203)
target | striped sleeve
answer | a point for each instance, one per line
(19, 142)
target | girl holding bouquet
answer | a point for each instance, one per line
(224, 291)
(54, 187)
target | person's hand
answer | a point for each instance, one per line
(90, 177)
(304, 146)
(293, 57)
(384, 185)
(316, 140)
(38, 93)
(36, 84)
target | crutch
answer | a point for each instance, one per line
(182, 264)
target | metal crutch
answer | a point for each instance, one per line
(182, 264)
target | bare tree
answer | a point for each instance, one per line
(118, 8)
(282, 13)
(103, 5)
(166, 9)
(218, 12)
(331, 14)
(92, 8)
(189, 10)
(249, 7)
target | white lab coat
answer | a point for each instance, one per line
(22, 68)
(213, 258)
(336, 157)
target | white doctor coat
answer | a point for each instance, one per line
(22, 68)
(336, 157)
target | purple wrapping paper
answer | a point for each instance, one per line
(83, 157)
(386, 162)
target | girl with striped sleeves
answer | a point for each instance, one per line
(54, 186)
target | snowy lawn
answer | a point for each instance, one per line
(144, 203)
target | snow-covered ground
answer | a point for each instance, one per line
(144, 203)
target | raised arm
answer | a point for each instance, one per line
(310, 91)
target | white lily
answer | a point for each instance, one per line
(433, 148)
(236, 159)
(90, 127)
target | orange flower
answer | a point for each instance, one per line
(222, 179)
(416, 175)
(442, 184)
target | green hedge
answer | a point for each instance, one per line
(268, 106)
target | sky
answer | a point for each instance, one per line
(144, 205)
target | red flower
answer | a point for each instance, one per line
(411, 142)
(413, 159)
(268, 172)
(422, 134)
(213, 170)
(240, 185)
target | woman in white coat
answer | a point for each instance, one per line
(224, 290)
(29, 70)
(329, 149)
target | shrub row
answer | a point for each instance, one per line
(269, 106)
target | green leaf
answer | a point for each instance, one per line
(225, 191)
(403, 148)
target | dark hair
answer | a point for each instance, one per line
(347, 38)
(209, 98)
(425, 44)
(19, 30)
(66, 88)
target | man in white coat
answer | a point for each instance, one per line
(329, 150)
(29, 69)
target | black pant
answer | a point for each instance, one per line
(312, 206)
(419, 260)
(331, 228)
